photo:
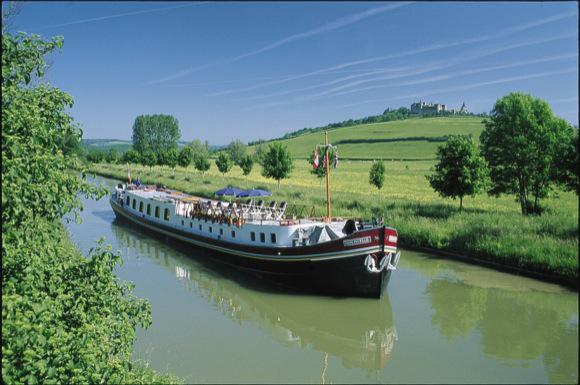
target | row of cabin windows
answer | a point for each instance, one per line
(263, 237)
(166, 213)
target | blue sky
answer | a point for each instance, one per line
(259, 70)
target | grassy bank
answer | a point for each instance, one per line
(489, 228)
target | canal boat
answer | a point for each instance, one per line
(322, 255)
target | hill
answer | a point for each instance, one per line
(410, 139)
(121, 145)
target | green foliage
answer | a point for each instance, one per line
(131, 156)
(95, 156)
(566, 163)
(246, 164)
(460, 170)
(377, 175)
(237, 149)
(66, 318)
(260, 153)
(159, 133)
(201, 161)
(112, 156)
(168, 157)
(198, 148)
(320, 172)
(520, 142)
(185, 156)
(277, 163)
(148, 158)
(223, 162)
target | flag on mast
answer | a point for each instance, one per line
(315, 163)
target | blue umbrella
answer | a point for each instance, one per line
(254, 193)
(229, 191)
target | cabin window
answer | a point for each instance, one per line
(141, 206)
(233, 234)
(253, 236)
(127, 201)
(199, 227)
(182, 223)
(166, 214)
(134, 202)
(190, 225)
(273, 237)
(156, 211)
(221, 231)
(148, 209)
(210, 229)
(262, 237)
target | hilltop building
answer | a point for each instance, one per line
(427, 108)
(423, 108)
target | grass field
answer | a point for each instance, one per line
(411, 139)
(488, 228)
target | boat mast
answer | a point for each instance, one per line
(326, 151)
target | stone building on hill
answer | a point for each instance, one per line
(427, 108)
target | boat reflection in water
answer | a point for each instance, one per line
(359, 331)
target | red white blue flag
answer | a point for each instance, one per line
(315, 162)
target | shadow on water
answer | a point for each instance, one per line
(359, 331)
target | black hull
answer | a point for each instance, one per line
(345, 276)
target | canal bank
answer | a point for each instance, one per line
(439, 321)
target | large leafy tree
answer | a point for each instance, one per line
(377, 175)
(224, 162)
(566, 163)
(460, 170)
(201, 163)
(277, 162)
(66, 318)
(149, 158)
(237, 149)
(185, 156)
(159, 133)
(520, 142)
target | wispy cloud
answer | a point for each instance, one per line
(344, 89)
(93, 19)
(466, 87)
(412, 52)
(325, 28)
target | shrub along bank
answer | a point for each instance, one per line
(488, 228)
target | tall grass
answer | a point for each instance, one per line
(488, 228)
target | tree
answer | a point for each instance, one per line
(131, 156)
(246, 164)
(185, 157)
(159, 133)
(223, 163)
(199, 148)
(260, 152)
(377, 175)
(277, 163)
(520, 143)
(201, 163)
(237, 150)
(169, 158)
(566, 164)
(149, 158)
(460, 170)
(112, 156)
(66, 317)
(95, 156)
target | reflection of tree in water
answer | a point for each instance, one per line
(360, 332)
(457, 310)
(516, 326)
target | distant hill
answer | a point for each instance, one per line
(411, 139)
(121, 145)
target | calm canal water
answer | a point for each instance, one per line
(440, 320)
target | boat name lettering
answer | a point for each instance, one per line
(356, 241)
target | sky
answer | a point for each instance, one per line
(257, 70)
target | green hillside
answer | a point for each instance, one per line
(415, 138)
(117, 144)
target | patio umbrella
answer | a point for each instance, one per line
(254, 193)
(228, 191)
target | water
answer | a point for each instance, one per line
(439, 321)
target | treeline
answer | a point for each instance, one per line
(388, 115)
(66, 317)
